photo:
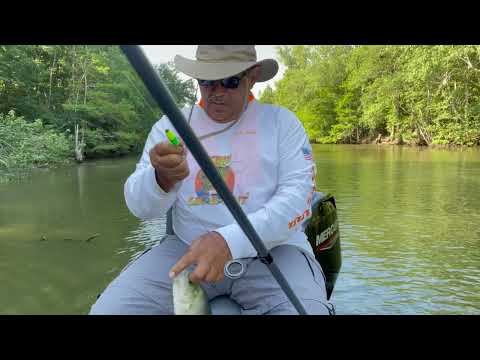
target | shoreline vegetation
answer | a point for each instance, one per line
(61, 104)
(65, 103)
(412, 94)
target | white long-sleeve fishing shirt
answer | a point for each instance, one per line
(265, 160)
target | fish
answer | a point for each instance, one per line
(189, 298)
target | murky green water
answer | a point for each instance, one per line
(410, 229)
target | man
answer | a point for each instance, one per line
(264, 156)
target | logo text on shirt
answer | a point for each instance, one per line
(299, 219)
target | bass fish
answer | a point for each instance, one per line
(189, 298)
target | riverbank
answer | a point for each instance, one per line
(26, 146)
(24, 170)
(386, 142)
(461, 139)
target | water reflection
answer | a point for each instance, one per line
(409, 228)
(147, 234)
(409, 222)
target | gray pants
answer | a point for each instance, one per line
(144, 288)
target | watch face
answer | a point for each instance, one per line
(234, 269)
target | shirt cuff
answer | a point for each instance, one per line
(157, 188)
(238, 243)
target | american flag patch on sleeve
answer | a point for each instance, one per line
(307, 153)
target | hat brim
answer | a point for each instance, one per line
(220, 70)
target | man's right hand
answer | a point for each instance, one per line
(170, 163)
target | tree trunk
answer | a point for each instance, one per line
(51, 79)
(72, 92)
(78, 145)
(85, 93)
(425, 137)
(85, 76)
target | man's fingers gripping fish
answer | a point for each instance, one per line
(189, 298)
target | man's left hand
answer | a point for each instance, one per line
(210, 252)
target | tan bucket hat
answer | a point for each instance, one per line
(221, 61)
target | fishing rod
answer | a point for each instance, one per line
(164, 99)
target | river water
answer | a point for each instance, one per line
(409, 224)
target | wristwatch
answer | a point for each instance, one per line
(234, 269)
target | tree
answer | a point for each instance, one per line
(90, 91)
(183, 91)
(420, 94)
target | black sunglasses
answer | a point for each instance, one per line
(231, 82)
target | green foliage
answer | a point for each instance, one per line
(182, 91)
(93, 87)
(23, 144)
(420, 94)
(267, 96)
(101, 143)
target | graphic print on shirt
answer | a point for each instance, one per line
(206, 193)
